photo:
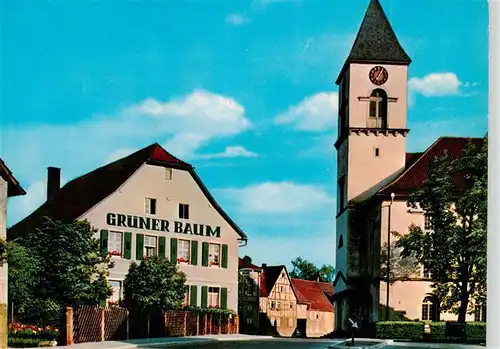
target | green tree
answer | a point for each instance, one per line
(71, 270)
(455, 249)
(247, 261)
(400, 267)
(23, 270)
(155, 283)
(306, 270)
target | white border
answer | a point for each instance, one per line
(493, 306)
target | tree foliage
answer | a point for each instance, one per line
(306, 270)
(155, 283)
(247, 261)
(400, 267)
(23, 269)
(64, 265)
(455, 249)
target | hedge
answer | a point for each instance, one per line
(400, 330)
(476, 331)
(15, 342)
(438, 331)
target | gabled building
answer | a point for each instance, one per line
(315, 312)
(9, 187)
(278, 301)
(287, 307)
(375, 175)
(151, 203)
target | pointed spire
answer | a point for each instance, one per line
(376, 40)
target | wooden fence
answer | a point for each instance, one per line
(95, 324)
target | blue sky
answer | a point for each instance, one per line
(85, 82)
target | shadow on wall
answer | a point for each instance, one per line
(266, 327)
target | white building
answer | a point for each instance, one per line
(9, 187)
(151, 203)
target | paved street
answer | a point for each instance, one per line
(247, 342)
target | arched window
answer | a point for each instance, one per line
(430, 308)
(378, 109)
(341, 241)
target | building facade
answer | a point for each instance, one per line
(285, 306)
(375, 176)
(249, 297)
(151, 203)
(315, 312)
(9, 187)
(278, 301)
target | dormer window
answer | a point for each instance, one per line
(378, 109)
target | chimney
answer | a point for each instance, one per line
(264, 265)
(53, 182)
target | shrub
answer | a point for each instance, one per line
(14, 342)
(20, 331)
(400, 330)
(438, 331)
(476, 331)
(455, 331)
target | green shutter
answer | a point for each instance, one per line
(194, 253)
(127, 243)
(104, 242)
(223, 298)
(193, 298)
(204, 296)
(224, 256)
(139, 247)
(173, 250)
(161, 246)
(204, 254)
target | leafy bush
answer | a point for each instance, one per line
(14, 342)
(399, 330)
(476, 331)
(438, 331)
(214, 311)
(455, 331)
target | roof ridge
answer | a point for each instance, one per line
(412, 165)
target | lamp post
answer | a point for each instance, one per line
(388, 257)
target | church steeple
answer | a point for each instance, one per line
(376, 41)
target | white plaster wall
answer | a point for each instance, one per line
(407, 295)
(361, 86)
(149, 181)
(319, 323)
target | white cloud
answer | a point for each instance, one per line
(183, 125)
(436, 85)
(278, 198)
(236, 19)
(284, 220)
(231, 152)
(315, 113)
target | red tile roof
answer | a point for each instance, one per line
(326, 287)
(241, 264)
(312, 294)
(417, 164)
(81, 194)
(13, 186)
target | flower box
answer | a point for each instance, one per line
(115, 253)
(182, 260)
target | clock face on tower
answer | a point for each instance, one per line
(378, 75)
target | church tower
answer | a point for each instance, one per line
(372, 129)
